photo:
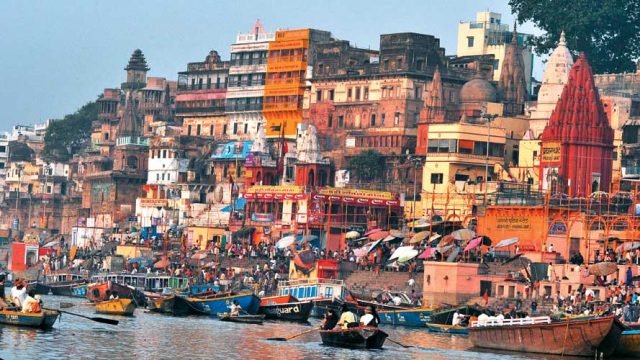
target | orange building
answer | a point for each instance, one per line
(287, 65)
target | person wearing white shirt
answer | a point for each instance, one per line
(397, 301)
(18, 293)
(456, 319)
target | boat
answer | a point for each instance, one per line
(448, 329)
(285, 308)
(79, 291)
(540, 335)
(144, 281)
(362, 337)
(101, 291)
(43, 320)
(59, 284)
(161, 303)
(116, 307)
(214, 304)
(244, 319)
(64, 288)
(325, 293)
(405, 317)
(629, 345)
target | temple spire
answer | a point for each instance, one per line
(563, 40)
(512, 86)
(435, 100)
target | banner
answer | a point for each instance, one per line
(358, 193)
(551, 152)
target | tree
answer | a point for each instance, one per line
(369, 165)
(63, 137)
(607, 31)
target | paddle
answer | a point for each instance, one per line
(96, 319)
(401, 344)
(294, 336)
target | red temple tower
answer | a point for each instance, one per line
(577, 143)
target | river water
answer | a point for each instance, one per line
(157, 336)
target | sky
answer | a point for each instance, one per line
(57, 55)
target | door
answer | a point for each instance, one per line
(485, 286)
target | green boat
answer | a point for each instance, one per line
(43, 320)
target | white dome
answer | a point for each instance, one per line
(556, 73)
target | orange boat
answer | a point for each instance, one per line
(540, 335)
(116, 307)
(281, 299)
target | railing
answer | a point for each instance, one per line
(252, 61)
(289, 81)
(204, 86)
(311, 282)
(284, 59)
(511, 322)
(132, 140)
(251, 37)
(244, 107)
(462, 155)
(246, 83)
(281, 106)
(189, 110)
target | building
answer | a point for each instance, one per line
(487, 35)
(247, 73)
(577, 143)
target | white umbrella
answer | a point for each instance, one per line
(285, 242)
(408, 255)
(51, 244)
(402, 250)
(629, 246)
(507, 242)
(463, 234)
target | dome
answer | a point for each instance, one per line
(556, 73)
(478, 90)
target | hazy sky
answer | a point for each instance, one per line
(57, 55)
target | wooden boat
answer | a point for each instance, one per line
(276, 308)
(116, 307)
(244, 319)
(405, 317)
(79, 291)
(629, 345)
(43, 320)
(540, 335)
(448, 329)
(212, 305)
(161, 304)
(101, 291)
(356, 338)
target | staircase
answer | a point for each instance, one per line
(369, 280)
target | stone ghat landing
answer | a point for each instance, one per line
(369, 280)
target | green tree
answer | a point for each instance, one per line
(369, 165)
(64, 137)
(607, 31)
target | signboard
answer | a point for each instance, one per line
(551, 152)
(262, 217)
(358, 193)
(144, 202)
(528, 224)
(351, 142)
(275, 189)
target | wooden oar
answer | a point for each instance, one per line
(294, 336)
(95, 318)
(398, 343)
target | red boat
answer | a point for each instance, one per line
(540, 335)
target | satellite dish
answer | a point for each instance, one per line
(218, 193)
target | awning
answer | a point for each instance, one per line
(245, 231)
(237, 205)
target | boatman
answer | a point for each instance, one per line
(18, 293)
(346, 317)
(330, 320)
(370, 317)
(235, 308)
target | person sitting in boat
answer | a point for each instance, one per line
(330, 320)
(456, 319)
(32, 303)
(18, 293)
(235, 308)
(370, 317)
(347, 318)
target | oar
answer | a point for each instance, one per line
(398, 343)
(96, 319)
(294, 336)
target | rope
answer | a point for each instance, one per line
(566, 333)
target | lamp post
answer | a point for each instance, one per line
(416, 162)
(489, 118)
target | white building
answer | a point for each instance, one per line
(487, 35)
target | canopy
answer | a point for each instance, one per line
(237, 205)
(397, 234)
(352, 234)
(419, 237)
(473, 243)
(507, 242)
(628, 246)
(603, 268)
(401, 251)
(434, 237)
(428, 253)
(140, 260)
(463, 234)
(408, 255)
(378, 235)
(162, 264)
(285, 242)
(309, 237)
(372, 231)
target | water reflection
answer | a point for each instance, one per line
(156, 336)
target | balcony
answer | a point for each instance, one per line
(204, 109)
(195, 87)
(243, 107)
(461, 157)
(248, 62)
(281, 106)
(286, 59)
(132, 140)
(234, 84)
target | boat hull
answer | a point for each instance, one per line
(161, 304)
(100, 292)
(448, 329)
(42, 320)
(629, 344)
(356, 338)
(123, 307)
(408, 317)
(576, 338)
(243, 319)
(79, 291)
(293, 311)
(215, 305)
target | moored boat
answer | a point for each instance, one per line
(212, 305)
(243, 319)
(161, 304)
(540, 335)
(101, 291)
(448, 329)
(355, 338)
(285, 308)
(43, 320)
(629, 344)
(405, 317)
(116, 307)
(79, 290)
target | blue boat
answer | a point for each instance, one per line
(201, 288)
(405, 317)
(43, 320)
(448, 329)
(79, 291)
(219, 304)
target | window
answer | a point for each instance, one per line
(349, 93)
(417, 92)
(330, 121)
(224, 129)
(437, 178)
(341, 121)
(615, 155)
(442, 146)
(465, 147)
(386, 64)
(357, 93)
(396, 118)
(320, 68)
(189, 130)
(106, 137)
(390, 91)
(366, 93)
(382, 118)
(331, 92)
(246, 128)
(198, 129)
(164, 154)
(480, 148)
(235, 128)
(211, 130)
(461, 177)
(157, 177)
(399, 63)
(416, 119)
(373, 120)
(469, 41)
(319, 95)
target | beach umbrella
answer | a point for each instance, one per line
(372, 231)
(603, 268)
(463, 234)
(378, 235)
(629, 246)
(473, 243)
(307, 237)
(374, 245)
(397, 234)
(285, 242)
(162, 264)
(352, 234)
(211, 264)
(72, 252)
(433, 238)
(446, 240)
(199, 255)
(428, 253)
(361, 252)
(507, 242)
(400, 251)
(419, 237)
(408, 255)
